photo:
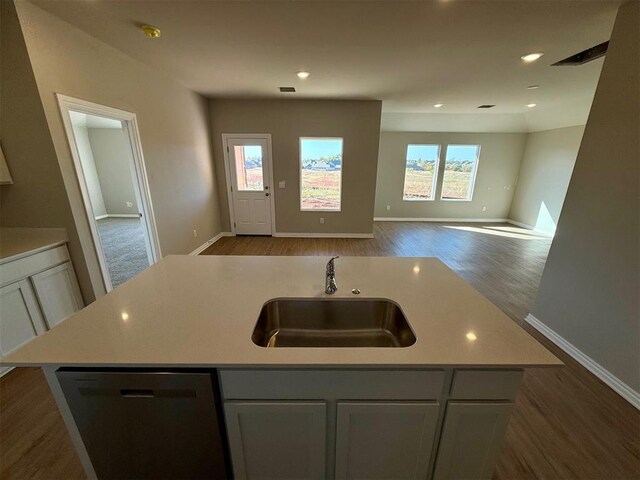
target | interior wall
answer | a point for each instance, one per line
(37, 197)
(589, 288)
(90, 171)
(173, 123)
(113, 158)
(357, 122)
(500, 156)
(547, 163)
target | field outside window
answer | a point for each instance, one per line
(320, 173)
(460, 169)
(421, 172)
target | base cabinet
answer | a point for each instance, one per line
(385, 440)
(471, 440)
(36, 292)
(58, 293)
(351, 424)
(277, 440)
(20, 317)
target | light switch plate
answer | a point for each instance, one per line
(281, 184)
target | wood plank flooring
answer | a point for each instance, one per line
(566, 425)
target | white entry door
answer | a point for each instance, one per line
(250, 171)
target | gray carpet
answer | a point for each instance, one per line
(124, 247)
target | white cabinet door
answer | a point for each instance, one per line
(58, 293)
(471, 439)
(20, 317)
(277, 440)
(391, 440)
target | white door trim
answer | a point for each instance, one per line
(227, 171)
(139, 174)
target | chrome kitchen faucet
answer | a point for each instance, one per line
(330, 286)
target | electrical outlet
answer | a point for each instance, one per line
(484, 209)
(195, 233)
(129, 204)
(388, 207)
(321, 219)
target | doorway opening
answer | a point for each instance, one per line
(249, 172)
(110, 171)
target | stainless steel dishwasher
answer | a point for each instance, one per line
(148, 424)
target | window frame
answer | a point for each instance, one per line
(474, 174)
(301, 139)
(435, 173)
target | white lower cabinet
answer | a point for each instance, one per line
(277, 440)
(471, 440)
(58, 293)
(385, 440)
(37, 291)
(20, 317)
(366, 424)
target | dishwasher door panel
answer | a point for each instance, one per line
(148, 425)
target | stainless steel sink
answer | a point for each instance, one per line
(332, 323)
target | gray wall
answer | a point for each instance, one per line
(113, 159)
(589, 289)
(500, 157)
(544, 176)
(37, 197)
(173, 123)
(89, 170)
(358, 122)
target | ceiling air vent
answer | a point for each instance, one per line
(287, 89)
(585, 56)
(486, 106)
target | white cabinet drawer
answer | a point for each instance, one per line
(332, 384)
(25, 267)
(485, 384)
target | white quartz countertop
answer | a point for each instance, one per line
(201, 311)
(16, 243)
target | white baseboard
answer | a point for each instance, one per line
(529, 227)
(439, 219)
(100, 217)
(209, 242)
(3, 372)
(624, 390)
(323, 235)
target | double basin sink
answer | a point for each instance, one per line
(332, 323)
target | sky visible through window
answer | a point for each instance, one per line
(315, 149)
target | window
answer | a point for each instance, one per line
(421, 172)
(320, 173)
(460, 170)
(249, 167)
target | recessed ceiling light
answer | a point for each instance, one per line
(531, 105)
(533, 87)
(150, 31)
(438, 105)
(532, 57)
(303, 75)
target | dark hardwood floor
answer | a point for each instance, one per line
(567, 424)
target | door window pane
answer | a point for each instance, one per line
(249, 172)
(421, 171)
(320, 173)
(460, 170)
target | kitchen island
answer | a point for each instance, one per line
(436, 408)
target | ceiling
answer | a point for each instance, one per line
(79, 119)
(410, 55)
